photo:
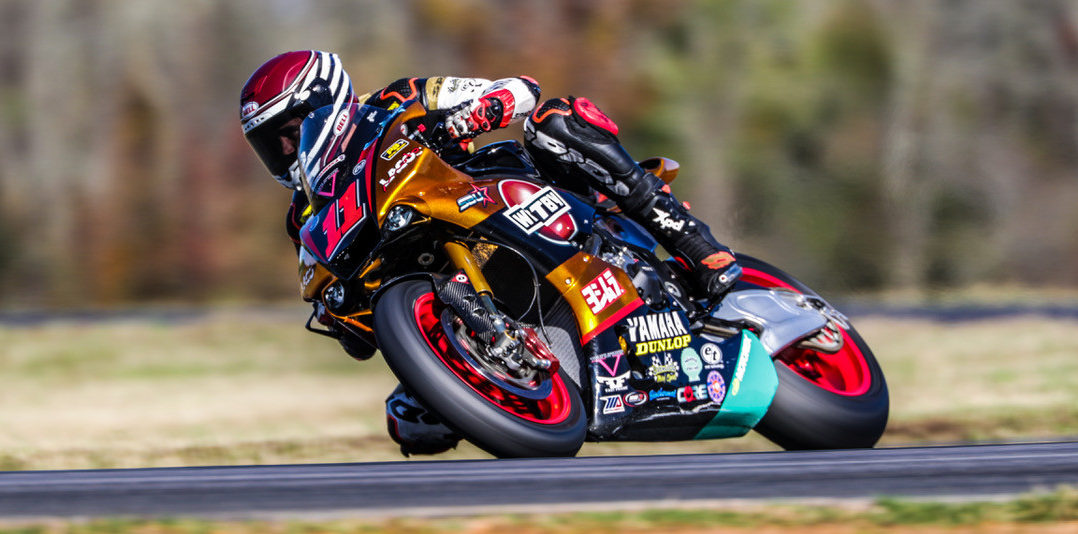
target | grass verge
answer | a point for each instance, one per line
(258, 390)
(1043, 513)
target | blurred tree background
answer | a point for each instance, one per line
(861, 144)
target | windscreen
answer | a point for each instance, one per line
(331, 142)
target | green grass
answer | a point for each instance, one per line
(1033, 513)
(236, 389)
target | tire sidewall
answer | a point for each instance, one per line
(439, 389)
(806, 416)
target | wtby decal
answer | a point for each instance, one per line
(539, 210)
(663, 370)
(612, 404)
(479, 195)
(399, 166)
(542, 209)
(657, 332)
(602, 291)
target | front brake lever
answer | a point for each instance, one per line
(430, 131)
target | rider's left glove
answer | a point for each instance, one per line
(475, 117)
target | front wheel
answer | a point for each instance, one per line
(824, 401)
(416, 333)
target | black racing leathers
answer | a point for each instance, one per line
(573, 144)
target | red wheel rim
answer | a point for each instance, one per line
(845, 372)
(551, 410)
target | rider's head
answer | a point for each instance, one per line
(279, 95)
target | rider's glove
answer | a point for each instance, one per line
(473, 118)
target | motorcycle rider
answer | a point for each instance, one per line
(569, 139)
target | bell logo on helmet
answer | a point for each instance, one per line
(248, 109)
(341, 122)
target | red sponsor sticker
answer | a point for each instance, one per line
(602, 291)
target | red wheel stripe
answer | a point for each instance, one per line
(849, 362)
(557, 404)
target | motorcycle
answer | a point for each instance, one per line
(531, 319)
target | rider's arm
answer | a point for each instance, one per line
(298, 213)
(489, 104)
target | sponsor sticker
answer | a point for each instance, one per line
(694, 393)
(399, 166)
(460, 278)
(666, 222)
(308, 275)
(712, 355)
(663, 370)
(656, 332)
(602, 291)
(543, 208)
(614, 383)
(742, 362)
(716, 387)
(636, 398)
(601, 360)
(612, 404)
(394, 149)
(691, 364)
(656, 394)
(479, 195)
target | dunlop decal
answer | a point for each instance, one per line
(657, 332)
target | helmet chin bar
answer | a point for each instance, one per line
(292, 179)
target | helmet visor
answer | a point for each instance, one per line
(332, 143)
(267, 142)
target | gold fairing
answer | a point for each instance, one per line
(429, 185)
(570, 277)
(313, 276)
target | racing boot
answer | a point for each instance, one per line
(575, 146)
(414, 428)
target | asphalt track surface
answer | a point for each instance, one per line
(478, 486)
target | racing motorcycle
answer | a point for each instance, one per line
(531, 319)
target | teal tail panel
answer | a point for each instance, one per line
(749, 394)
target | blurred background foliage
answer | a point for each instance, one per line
(861, 144)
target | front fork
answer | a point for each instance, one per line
(507, 337)
(464, 260)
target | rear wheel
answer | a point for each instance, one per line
(505, 415)
(824, 401)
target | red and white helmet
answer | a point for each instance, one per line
(288, 86)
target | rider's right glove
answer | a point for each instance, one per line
(475, 117)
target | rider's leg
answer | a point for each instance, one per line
(571, 138)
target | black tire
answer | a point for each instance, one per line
(407, 345)
(806, 414)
